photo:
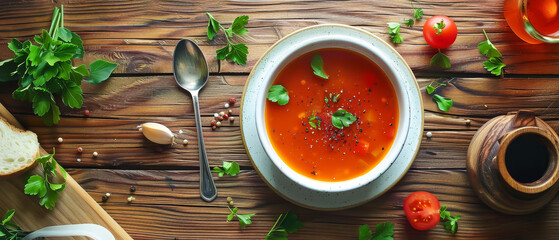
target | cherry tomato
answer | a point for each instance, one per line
(422, 210)
(445, 37)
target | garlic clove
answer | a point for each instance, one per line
(158, 133)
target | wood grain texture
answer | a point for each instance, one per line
(170, 206)
(140, 35)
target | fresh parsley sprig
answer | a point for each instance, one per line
(317, 65)
(450, 223)
(244, 219)
(443, 103)
(383, 231)
(229, 168)
(342, 118)
(234, 52)
(286, 223)
(495, 63)
(441, 60)
(9, 230)
(394, 32)
(315, 122)
(45, 70)
(279, 94)
(417, 15)
(43, 186)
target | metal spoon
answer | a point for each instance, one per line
(191, 73)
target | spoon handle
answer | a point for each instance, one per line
(208, 191)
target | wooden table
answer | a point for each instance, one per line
(141, 35)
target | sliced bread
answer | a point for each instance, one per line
(18, 150)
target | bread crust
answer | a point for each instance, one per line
(27, 167)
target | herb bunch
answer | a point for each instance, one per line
(286, 223)
(43, 186)
(45, 70)
(234, 52)
(9, 230)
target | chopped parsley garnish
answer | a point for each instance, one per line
(450, 223)
(317, 65)
(229, 168)
(278, 93)
(342, 118)
(394, 32)
(315, 121)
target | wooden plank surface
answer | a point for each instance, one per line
(140, 36)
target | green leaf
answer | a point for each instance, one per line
(317, 66)
(231, 168)
(64, 34)
(394, 32)
(315, 122)
(222, 52)
(100, 70)
(441, 60)
(50, 58)
(64, 69)
(384, 231)
(244, 219)
(488, 49)
(443, 103)
(49, 200)
(278, 234)
(409, 22)
(65, 51)
(35, 186)
(7, 67)
(417, 13)
(8, 216)
(279, 94)
(24, 93)
(238, 53)
(71, 94)
(57, 187)
(81, 69)
(42, 101)
(15, 45)
(238, 26)
(213, 26)
(230, 217)
(52, 116)
(77, 40)
(34, 55)
(291, 223)
(342, 118)
(433, 86)
(365, 232)
(47, 74)
(46, 40)
(494, 66)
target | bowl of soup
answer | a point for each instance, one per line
(332, 111)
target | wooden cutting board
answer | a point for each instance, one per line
(74, 204)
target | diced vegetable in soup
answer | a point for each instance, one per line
(340, 118)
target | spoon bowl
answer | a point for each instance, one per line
(191, 73)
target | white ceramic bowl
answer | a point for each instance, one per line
(345, 37)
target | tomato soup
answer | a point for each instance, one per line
(325, 152)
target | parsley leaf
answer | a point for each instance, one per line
(317, 66)
(441, 60)
(315, 122)
(383, 231)
(443, 103)
(41, 186)
(9, 230)
(409, 22)
(244, 219)
(494, 65)
(286, 223)
(6, 68)
(394, 32)
(100, 70)
(342, 118)
(279, 94)
(488, 49)
(450, 223)
(234, 52)
(417, 13)
(439, 27)
(229, 168)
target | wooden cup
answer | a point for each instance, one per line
(491, 177)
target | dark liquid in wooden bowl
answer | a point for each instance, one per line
(527, 158)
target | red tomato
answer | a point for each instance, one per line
(447, 35)
(422, 210)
